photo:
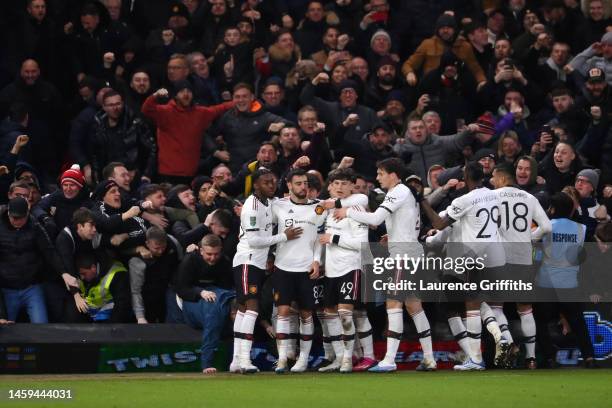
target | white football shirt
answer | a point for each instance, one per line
(256, 227)
(518, 209)
(345, 255)
(401, 214)
(477, 214)
(298, 255)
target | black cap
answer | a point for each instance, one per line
(482, 153)
(18, 207)
(596, 75)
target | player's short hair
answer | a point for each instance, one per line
(346, 174)
(211, 240)
(314, 182)
(393, 165)
(294, 172)
(82, 216)
(562, 204)
(150, 189)
(506, 168)
(156, 234)
(474, 172)
(262, 171)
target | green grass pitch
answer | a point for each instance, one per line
(542, 388)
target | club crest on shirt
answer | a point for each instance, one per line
(276, 296)
(253, 221)
(455, 209)
(253, 289)
(319, 210)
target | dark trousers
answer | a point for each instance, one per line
(544, 312)
(56, 295)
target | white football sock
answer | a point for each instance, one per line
(396, 329)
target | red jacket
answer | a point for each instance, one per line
(179, 134)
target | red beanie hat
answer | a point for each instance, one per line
(74, 175)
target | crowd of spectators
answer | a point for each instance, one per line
(131, 128)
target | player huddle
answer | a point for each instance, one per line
(316, 249)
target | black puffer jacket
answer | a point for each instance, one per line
(243, 132)
(131, 142)
(25, 254)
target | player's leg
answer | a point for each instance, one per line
(415, 309)
(458, 329)
(294, 333)
(284, 293)
(328, 350)
(322, 299)
(349, 294)
(474, 329)
(365, 339)
(528, 327)
(395, 329)
(333, 323)
(345, 311)
(305, 291)
(238, 272)
(502, 347)
(254, 282)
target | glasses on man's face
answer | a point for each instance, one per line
(22, 195)
(175, 67)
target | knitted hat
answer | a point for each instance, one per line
(348, 84)
(379, 33)
(590, 175)
(18, 207)
(486, 124)
(386, 60)
(74, 175)
(102, 188)
(446, 20)
(396, 95)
